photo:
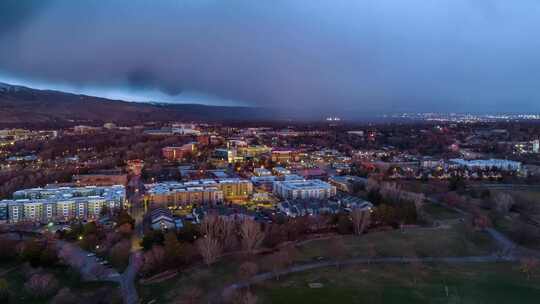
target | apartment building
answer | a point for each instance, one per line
(60, 204)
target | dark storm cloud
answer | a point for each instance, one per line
(341, 56)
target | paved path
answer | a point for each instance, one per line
(127, 280)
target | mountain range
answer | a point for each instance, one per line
(22, 105)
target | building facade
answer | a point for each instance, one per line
(204, 191)
(178, 153)
(45, 205)
(304, 189)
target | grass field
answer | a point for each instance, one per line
(472, 283)
(455, 241)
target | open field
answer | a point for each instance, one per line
(455, 241)
(478, 283)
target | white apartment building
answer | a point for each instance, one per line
(60, 204)
(304, 189)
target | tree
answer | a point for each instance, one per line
(48, 256)
(245, 297)
(503, 202)
(220, 228)
(119, 254)
(209, 248)
(251, 235)
(153, 237)
(529, 266)
(344, 224)
(89, 228)
(69, 256)
(173, 250)
(126, 229)
(153, 260)
(41, 285)
(32, 252)
(360, 220)
(274, 235)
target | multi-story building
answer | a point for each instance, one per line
(261, 172)
(284, 155)
(235, 188)
(501, 164)
(178, 153)
(60, 204)
(175, 194)
(347, 183)
(253, 151)
(204, 191)
(304, 189)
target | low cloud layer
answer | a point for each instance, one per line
(336, 56)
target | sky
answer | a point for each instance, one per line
(337, 57)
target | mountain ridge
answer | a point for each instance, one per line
(20, 104)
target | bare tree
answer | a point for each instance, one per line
(153, 259)
(372, 185)
(503, 202)
(246, 298)
(221, 228)
(251, 235)
(360, 219)
(41, 285)
(209, 248)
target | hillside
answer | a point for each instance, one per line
(22, 105)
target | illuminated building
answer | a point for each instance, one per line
(61, 204)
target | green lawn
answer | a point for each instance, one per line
(472, 283)
(455, 241)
